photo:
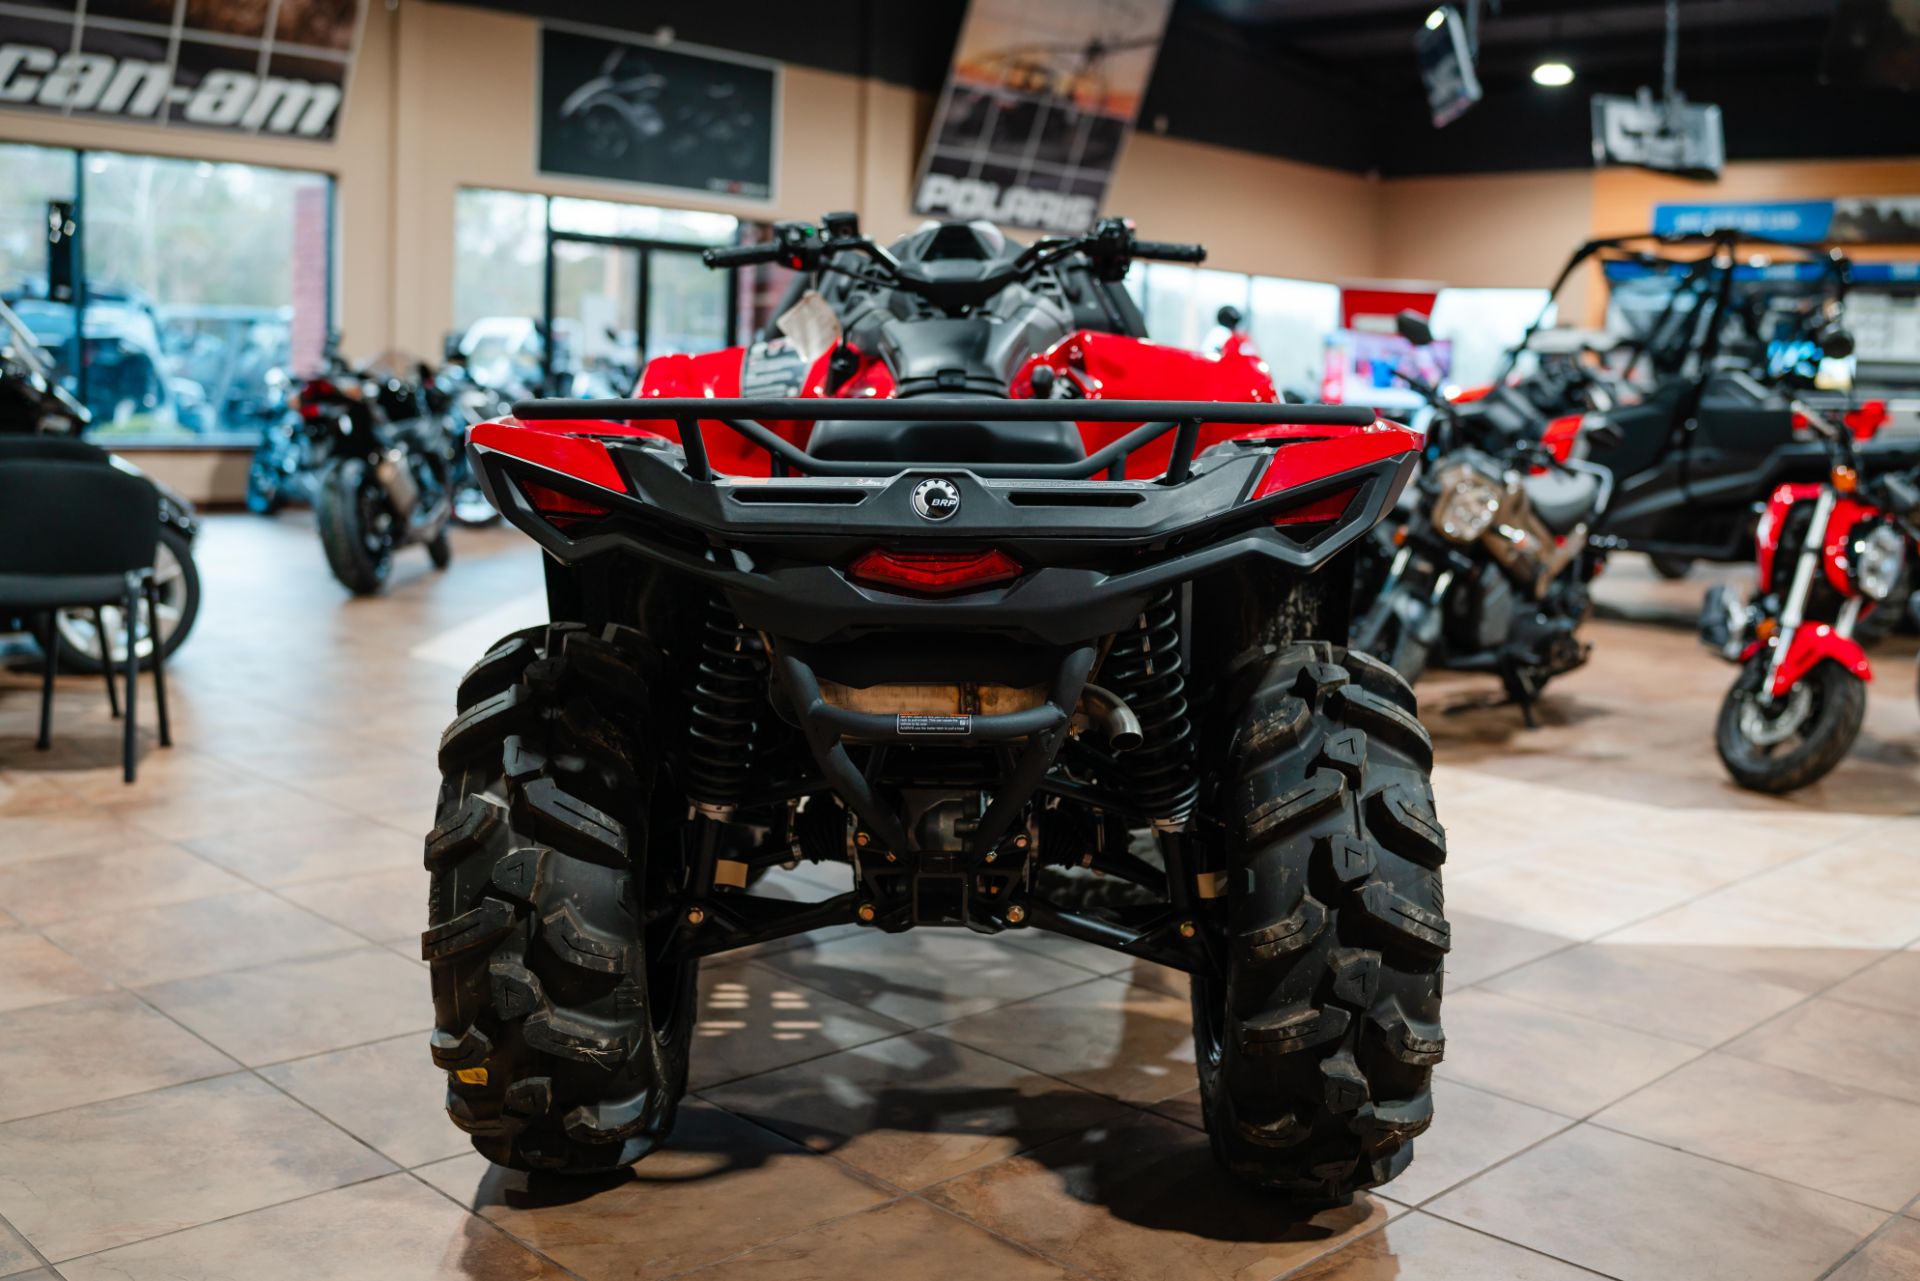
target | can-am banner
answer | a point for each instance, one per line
(207, 64)
(1037, 109)
(1847, 220)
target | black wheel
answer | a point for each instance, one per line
(355, 527)
(1316, 1055)
(439, 550)
(564, 1041)
(176, 583)
(1671, 568)
(1793, 741)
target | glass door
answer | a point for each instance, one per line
(614, 303)
(688, 305)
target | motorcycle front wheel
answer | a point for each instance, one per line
(1795, 740)
(177, 585)
(355, 529)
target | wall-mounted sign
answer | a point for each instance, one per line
(631, 110)
(1856, 220)
(204, 65)
(1037, 107)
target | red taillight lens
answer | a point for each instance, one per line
(1866, 421)
(934, 572)
(560, 509)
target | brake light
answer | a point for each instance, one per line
(1866, 421)
(560, 510)
(934, 572)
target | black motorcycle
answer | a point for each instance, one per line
(1488, 570)
(388, 483)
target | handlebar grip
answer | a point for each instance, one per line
(1169, 251)
(742, 255)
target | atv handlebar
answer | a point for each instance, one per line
(1169, 251)
(742, 255)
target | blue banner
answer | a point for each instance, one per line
(1800, 220)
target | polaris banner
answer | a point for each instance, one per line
(630, 110)
(273, 70)
(1038, 105)
(1852, 220)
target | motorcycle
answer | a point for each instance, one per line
(1830, 554)
(32, 401)
(1004, 590)
(388, 482)
(1488, 570)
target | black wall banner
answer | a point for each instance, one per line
(1037, 107)
(636, 111)
(208, 64)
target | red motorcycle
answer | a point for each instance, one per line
(1830, 553)
(962, 588)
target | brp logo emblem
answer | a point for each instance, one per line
(936, 499)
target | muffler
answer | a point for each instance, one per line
(396, 477)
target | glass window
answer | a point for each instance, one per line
(201, 281)
(499, 256)
(1483, 325)
(643, 222)
(1289, 325)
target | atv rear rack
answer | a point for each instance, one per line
(1156, 419)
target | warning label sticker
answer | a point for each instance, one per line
(919, 724)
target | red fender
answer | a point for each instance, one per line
(1813, 644)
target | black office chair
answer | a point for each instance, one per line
(77, 532)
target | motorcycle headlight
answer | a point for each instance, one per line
(1468, 507)
(1878, 557)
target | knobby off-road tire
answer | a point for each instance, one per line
(565, 1050)
(1316, 1060)
(343, 534)
(1832, 723)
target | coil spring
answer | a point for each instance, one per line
(1144, 668)
(729, 688)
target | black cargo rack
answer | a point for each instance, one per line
(1156, 419)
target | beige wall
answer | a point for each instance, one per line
(443, 98)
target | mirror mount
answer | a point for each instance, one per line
(1414, 327)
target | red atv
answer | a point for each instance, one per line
(1003, 593)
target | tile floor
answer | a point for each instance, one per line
(1682, 1020)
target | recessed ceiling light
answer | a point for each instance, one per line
(1553, 74)
(1435, 19)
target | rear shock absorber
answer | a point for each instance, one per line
(729, 688)
(1144, 669)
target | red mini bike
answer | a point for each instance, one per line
(985, 594)
(1829, 554)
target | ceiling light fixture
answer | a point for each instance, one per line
(1553, 75)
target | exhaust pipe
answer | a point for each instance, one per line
(397, 479)
(1109, 711)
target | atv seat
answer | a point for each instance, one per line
(907, 441)
(1563, 499)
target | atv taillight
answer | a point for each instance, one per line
(560, 509)
(934, 572)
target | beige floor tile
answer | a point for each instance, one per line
(1058, 947)
(1127, 1042)
(186, 816)
(1471, 1130)
(1740, 841)
(393, 1228)
(103, 1047)
(75, 828)
(1186, 1108)
(903, 1241)
(754, 1018)
(293, 852)
(117, 1172)
(927, 976)
(1144, 1201)
(385, 906)
(1893, 1255)
(915, 1109)
(184, 940)
(1555, 901)
(146, 875)
(1482, 947)
(35, 972)
(1549, 1058)
(15, 1255)
(1627, 986)
(291, 1009)
(381, 789)
(1808, 1131)
(1841, 1043)
(1785, 908)
(660, 1218)
(1419, 1247)
(1892, 984)
(1867, 866)
(1641, 1212)
(388, 1094)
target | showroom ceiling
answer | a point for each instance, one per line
(1261, 75)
